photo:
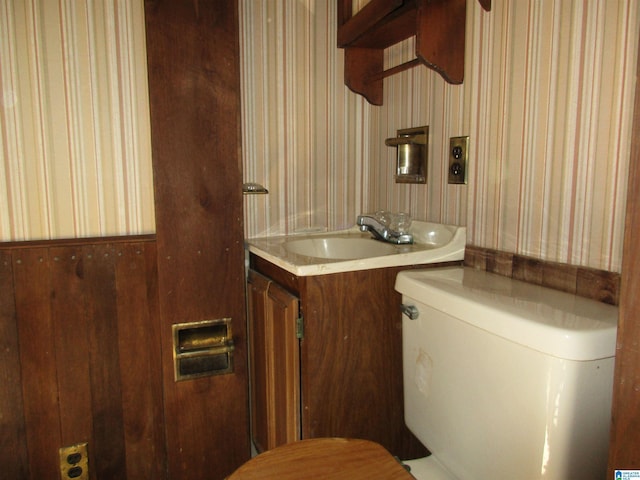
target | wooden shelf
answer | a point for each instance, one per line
(439, 28)
(380, 24)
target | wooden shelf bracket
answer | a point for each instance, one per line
(439, 28)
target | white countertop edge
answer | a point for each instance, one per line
(399, 260)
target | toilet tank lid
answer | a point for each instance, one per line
(550, 321)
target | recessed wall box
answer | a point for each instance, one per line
(411, 162)
(202, 348)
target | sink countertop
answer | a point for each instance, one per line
(433, 243)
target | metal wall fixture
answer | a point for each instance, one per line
(202, 348)
(411, 162)
(252, 188)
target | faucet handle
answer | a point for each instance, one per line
(384, 217)
(400, 222)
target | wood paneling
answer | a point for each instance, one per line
(624, 452)
(600, 285)
(13, 442)
(82, 341)
(194, 92)
(142, 413)
(33, 298)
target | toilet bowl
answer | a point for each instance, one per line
(502, 379)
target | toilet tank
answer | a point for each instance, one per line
(504, 379)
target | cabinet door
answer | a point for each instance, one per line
(275, 363)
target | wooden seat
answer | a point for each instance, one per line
(324, 459)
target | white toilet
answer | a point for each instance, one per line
(504, 379)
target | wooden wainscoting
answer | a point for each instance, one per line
(80, 354)
(600, 285)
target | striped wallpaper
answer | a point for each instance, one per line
(305, 137)
(547, 103)
(75, 149)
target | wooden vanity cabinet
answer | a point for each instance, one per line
(347, 378)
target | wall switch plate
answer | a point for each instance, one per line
(458, 159)
(74, 462)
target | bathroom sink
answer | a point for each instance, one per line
(341, 248)
(351, 250)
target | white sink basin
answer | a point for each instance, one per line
(351, 250)
(339, 248)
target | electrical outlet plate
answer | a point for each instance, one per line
(74, 462)
(458, 159)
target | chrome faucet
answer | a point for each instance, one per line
(381, 231)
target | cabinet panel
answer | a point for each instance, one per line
(352, 360)
(257, 287)
(275, 363)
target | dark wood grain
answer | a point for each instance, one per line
(625, 430)
(72, 341)
(600, 285)
(85, 326)
(527, 269)
(140, 361)
(439, 28)
(283, 278)
(101, 300)
(352, 360)
(36, 334)
(486, 4)
(379, 24)
(194, 90)
(440, 37)
(361, 69)
(561, 277)
(500, 263)
(13, 441)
